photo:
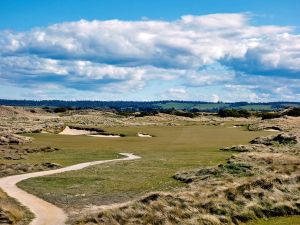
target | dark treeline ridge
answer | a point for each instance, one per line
(295, 112)
(190, 106)
(234, 113)
(271, 115)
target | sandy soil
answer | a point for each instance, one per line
(69, 131)
(44, 132)
(46, 213)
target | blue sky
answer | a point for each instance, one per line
(229, 50)
(22, 15)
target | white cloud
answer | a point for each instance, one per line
(81, 70)
(126, 55)
(216, 21)
(176, 93)
(190, 42)
(208, 75)
(215, 98)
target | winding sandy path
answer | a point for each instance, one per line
(45, 212)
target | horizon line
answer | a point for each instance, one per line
(193, 101)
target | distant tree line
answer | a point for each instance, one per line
(234, 113)
(149, 106)
(264, 115)
(295, 112)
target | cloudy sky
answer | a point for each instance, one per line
(210, 50)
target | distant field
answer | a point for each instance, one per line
(256, 107)
(171, 150)
(202, 106)
(290, 220)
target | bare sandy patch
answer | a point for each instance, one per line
(144, 135)
(272, 130)
(70, 131)
(237, 126)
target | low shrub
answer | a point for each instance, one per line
(185, 114)
(147, 113)
(234, 113)
(60, 110)
(32, 111)
(293, 112)
(269, 115)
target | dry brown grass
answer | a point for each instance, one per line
(11, 212)
(252, 199)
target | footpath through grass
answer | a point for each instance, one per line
(171, 150)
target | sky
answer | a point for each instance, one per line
(209, 50)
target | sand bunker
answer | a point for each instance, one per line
(272, 130)
(70, 131)
(144, 135)
(235, 126)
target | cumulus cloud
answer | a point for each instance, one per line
(208, 75)
(190, 42)
(194, 51)
(176, 93)
(280, 55)
(215, 98)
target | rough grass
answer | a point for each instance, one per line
(289, 220)
(235, 204)
(172, 149)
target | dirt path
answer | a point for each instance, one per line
(46, 213)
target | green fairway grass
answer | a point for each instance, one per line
(174, 148)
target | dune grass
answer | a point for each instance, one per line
(288, 220)
(14, 213)
(171, 150)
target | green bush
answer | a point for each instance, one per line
(269, 115)
(147, 113)
(293, 112)
(60, 110)
(234, 113)
(185, 114)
